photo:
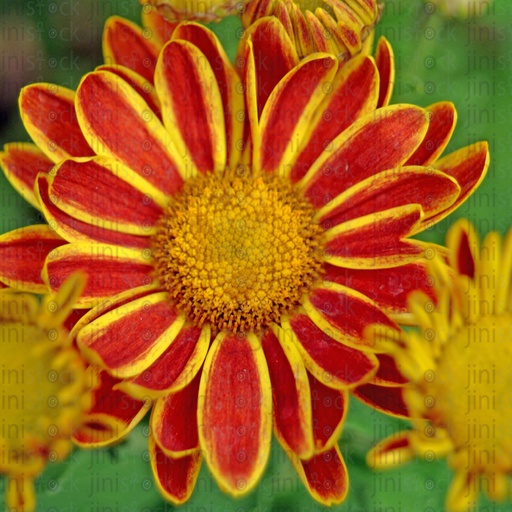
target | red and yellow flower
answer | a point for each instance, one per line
(239, 230)
(342, 28)
(45, 387)
(458, 364)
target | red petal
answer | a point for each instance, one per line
(235, 412)
(176, 478)
(174, 421)
(126, 44)
(463, 244)
(330, 33)
(280, 11)
(74, 230)
(274, 56)
(346, 311)
(388, 287)
(329, 409)
(251, 141)
(289, 109)
(75, 316)
(376, 241)
(442, 123)
(21, 163)
(138, 83)
(303, 38)
(383, 398)
(119, 202)
(126, 128)
(176, 367)
(434, 191)
(400, 441)
(112, 413)
(229, 83)
(381, 140)
(388, 373)
(391, 452)
(465, 261)
(325, 476)
(354, 94)
(109, 305)
(127, 340)
(109, 269)
(191, 104)
(330, 361)
(22, 255)
(291, 395)
(469, 167)
(384, 59)
(48, 113)
(321, 37)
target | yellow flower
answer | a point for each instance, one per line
(43, 387)
(459, 367)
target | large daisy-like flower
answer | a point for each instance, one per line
(341, 27)
(237, 240)
(44, 387)
(459, 367)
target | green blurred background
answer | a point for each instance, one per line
(468, 62)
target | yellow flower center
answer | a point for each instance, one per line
(39, 397)
(238, 251)
(471, 390)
